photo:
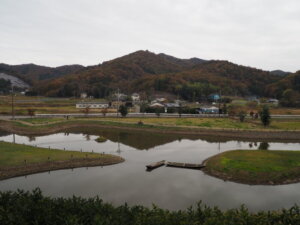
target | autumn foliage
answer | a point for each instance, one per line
(143, 71)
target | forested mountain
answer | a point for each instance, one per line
(34, 73)
(182, 62)
(291, 81)
(147, 72)
(280, 73)
(286, 89)
(211, 76)
(121, 72)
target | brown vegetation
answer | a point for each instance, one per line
(206, 132)
(144, 71)
(10, 172)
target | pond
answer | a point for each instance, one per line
(166, 187)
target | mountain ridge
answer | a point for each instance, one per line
(33, 73)
(144, 71)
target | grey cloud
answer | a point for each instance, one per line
(260, 33)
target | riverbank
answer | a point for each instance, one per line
(49, 127)
(20, 160)
(255, 167)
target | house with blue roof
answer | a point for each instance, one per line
(214, 97)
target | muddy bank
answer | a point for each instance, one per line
(10, 172)
(251, 135)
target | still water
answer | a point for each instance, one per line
(170, 188)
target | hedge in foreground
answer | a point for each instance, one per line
(33, 208)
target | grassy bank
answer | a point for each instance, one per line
(227, 128)
(18, 160)
(256, 167)
(221, 123)
(33, 208)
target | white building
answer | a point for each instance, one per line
(92, 105)
(172, 105)
(157, 105)
(83, 95)
(209, 110)
(273, 101)
(135, 97)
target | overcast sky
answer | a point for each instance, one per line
(258, 33)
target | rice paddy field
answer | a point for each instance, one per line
(67, 105)
(42, 105)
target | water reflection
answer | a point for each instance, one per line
(3, 133)
(31, 138)
(140, 140)
(146, 140)
(170, 188)
(263, 146)
(87, 137)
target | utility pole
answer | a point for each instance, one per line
(219, 102)
(119, 149)
(118, 94)
(12, 103)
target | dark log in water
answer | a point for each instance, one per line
(185, 165)
(155, 165)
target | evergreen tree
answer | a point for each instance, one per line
(265, 116)
(123, 110)
(242, 116)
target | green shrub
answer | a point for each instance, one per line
(101, 139)
(123, 110)
(242, 116)
(26, 208)
(265, 115)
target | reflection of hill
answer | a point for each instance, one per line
(3, 133)
(142, 140)
(137, 139)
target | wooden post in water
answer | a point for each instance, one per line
(12, 103)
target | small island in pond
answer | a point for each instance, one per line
(101, 139)
(19, 160)
(256, 167)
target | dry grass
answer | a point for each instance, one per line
(16, 154)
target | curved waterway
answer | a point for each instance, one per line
(166, 187)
